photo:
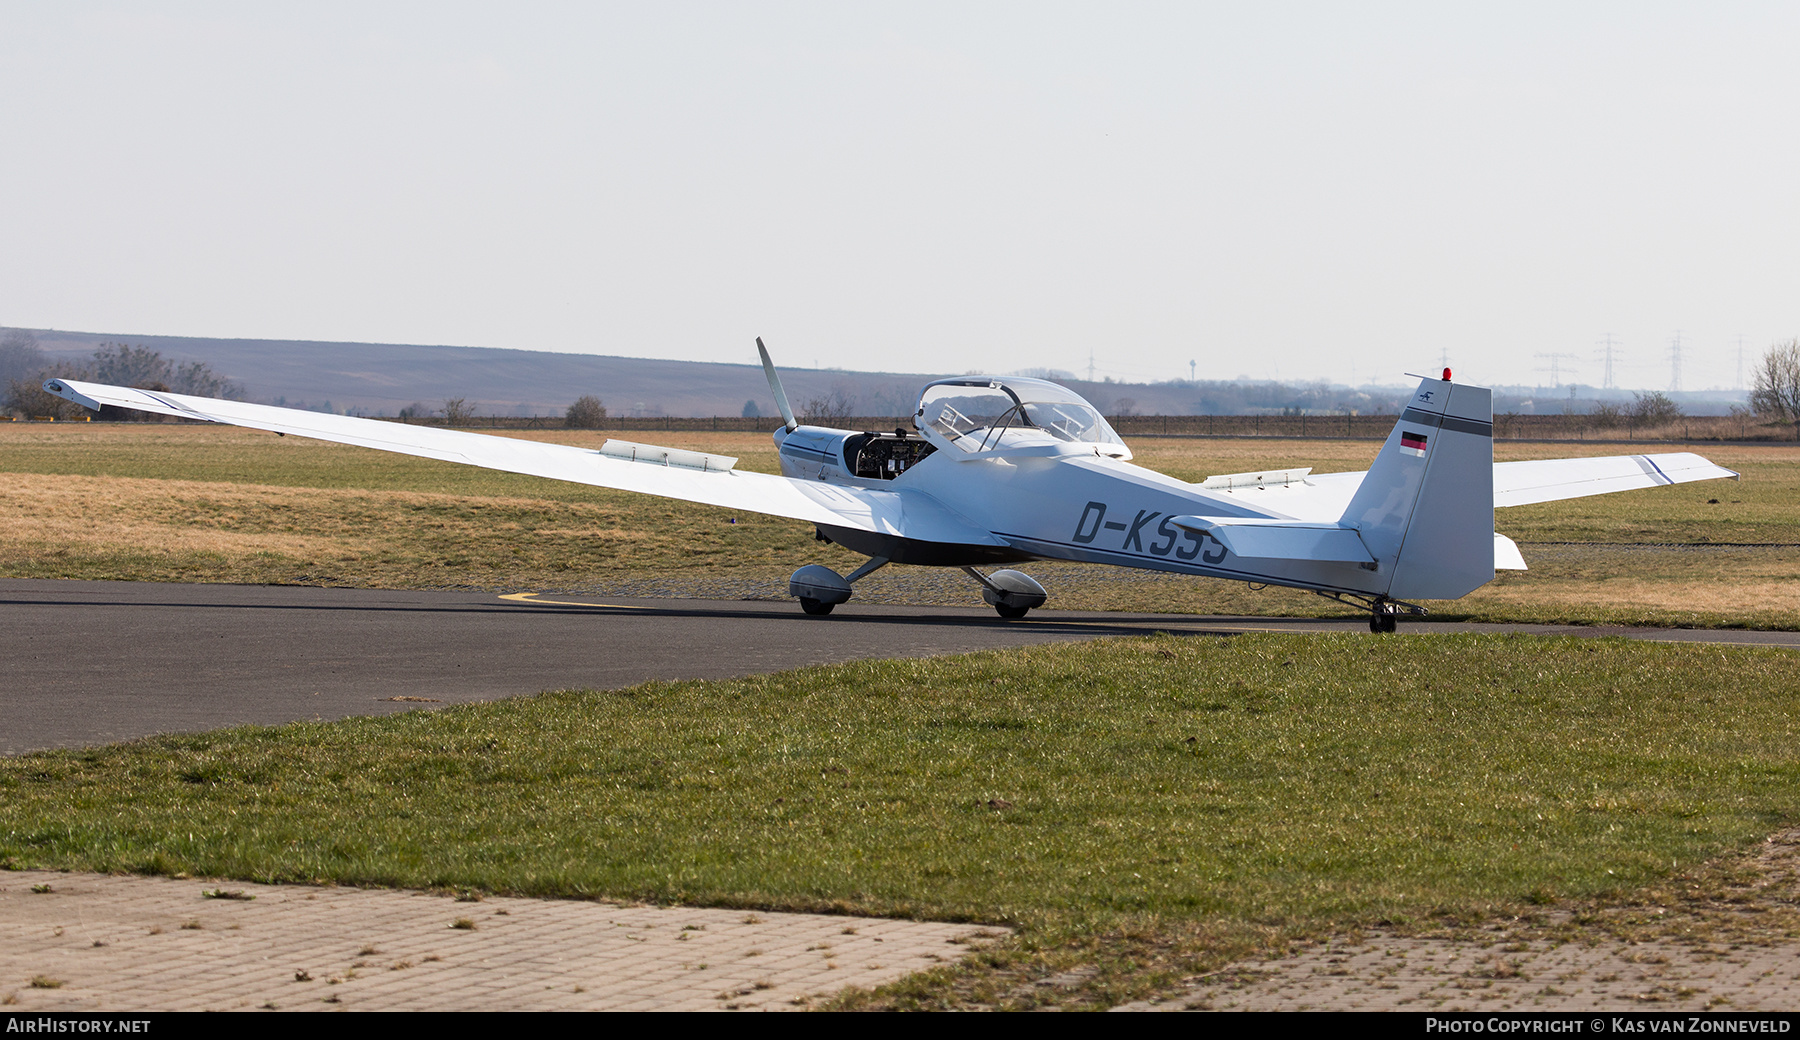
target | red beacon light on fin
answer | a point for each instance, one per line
(1446, 375)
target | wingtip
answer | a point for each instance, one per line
(69, 393)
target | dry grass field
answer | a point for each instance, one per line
(199, 503)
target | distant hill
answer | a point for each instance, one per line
(383, 378)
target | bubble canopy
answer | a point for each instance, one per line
(981, 414)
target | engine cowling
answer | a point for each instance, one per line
(860, 458)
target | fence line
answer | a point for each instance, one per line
(1312, 427)
(1707, 428)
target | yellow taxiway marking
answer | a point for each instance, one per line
(532, 597)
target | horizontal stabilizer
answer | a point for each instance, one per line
(1506, 554)
(1550, 480)
(1281, 539)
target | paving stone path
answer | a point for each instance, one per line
(83, 942)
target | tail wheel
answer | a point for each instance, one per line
(816, 607)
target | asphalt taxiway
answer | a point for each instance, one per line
(94, 662)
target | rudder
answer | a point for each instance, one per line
(1425, 510)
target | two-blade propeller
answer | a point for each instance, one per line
(781, 401)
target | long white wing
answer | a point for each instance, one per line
(862, 509)
(1522, 483)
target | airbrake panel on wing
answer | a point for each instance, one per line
(1265, 478)
(657, 455)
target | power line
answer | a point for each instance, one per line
(1608, 346)
(1555, 369)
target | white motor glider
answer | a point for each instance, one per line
(1004, 470)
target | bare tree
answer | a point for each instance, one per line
(20, 356)
(1606, 415)
(141, 367)
(148, 370)
(587, 413)
(837, 406)
(458, 411)
(28, 399)
(1776, 390)
(1654, 409)
(23, 369)
(198, 378)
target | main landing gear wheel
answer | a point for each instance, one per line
(1011, 593)
(1381, 621)
(819, 588)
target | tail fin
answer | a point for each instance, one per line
(1425, 509)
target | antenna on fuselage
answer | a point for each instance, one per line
(781, 401)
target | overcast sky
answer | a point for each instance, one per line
(1292, 190)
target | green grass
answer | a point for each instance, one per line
(1151, 806)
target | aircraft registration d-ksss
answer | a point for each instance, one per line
(1006, 470)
